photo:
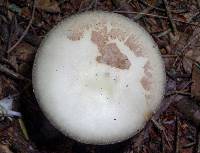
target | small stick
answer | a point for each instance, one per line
(189, 145)
(162, 129)
(23, 128)
(160, 9)
(178, 93)
(155, 16)
(164, 33)
(169, 56)
(146, 14)
(25, 31)
(11, 73)
(177, 140)
(138, 16)
(7, 62)
(174, 29)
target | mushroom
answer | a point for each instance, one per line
(98, 77)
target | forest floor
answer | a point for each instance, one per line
(175, 27)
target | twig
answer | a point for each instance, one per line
(7, 62)
(138, 16)
(170, 17)
(193, 38)
(11, 73)
(155, 16)
(197, 63)
(25, 31)
(160, 9)
(169, 56)
(162, 129)
(147, 4)
(23, 128)
(164, 33)
(178, 93)
(162, 133)
(177, 140)
(189, 145)
(146, 14)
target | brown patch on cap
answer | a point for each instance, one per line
(146, 83)
(100, 38)
(134, 45)
(111, 55)
(146, 79)
(116, 33)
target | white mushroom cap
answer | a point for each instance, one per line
(98, 77)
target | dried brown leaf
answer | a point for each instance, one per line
(151, 2)
(5, 149)
(77, 3)
(24, 52)
(51, 6)
(25, 12)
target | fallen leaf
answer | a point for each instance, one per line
(51, 6)
(5, 149)
(24, 52)
(190, 15)
(25, 12)
(76, 4)
(151, 2)
(24, 68)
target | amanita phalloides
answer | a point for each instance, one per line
(98, 77)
